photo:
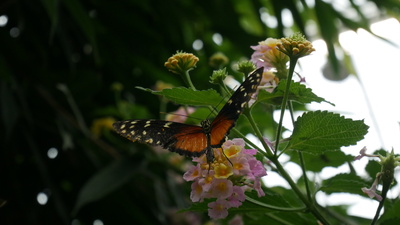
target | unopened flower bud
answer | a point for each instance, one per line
(218, 60)
(295, 46)
(181, 62)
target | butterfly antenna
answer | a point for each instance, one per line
(183, 115)
(226, 157)
(214, 109)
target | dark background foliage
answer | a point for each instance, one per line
(59, 60)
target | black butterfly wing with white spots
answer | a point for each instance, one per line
(182, 138)
(231, 111)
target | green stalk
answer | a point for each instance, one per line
(292, 65)
(277, 208)
(302, 163)
(187, 80)
(257, 131)
(307, 200)
(310, 205)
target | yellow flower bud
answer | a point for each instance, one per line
(218, 60)
(295, 46)
(181, 62)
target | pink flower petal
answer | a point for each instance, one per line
(237, 220)
(218, 209)
(221, 188)
(196, 195)
(237, 197)
(192, 173)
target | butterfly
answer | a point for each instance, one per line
(192, 140)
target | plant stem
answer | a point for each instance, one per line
(187, 80)
(258, 132)
(277, 208)
(310, 205)
(307, 200)
(292, 65)
(302, 164)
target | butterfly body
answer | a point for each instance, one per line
(192, 140)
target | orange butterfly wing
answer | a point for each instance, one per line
(189, 141)
(231, 111)
(182, 138)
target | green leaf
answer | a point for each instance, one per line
(274, 197)
(105, 182)
(248, 17)
(349, 183)
(372, 168)
(329, 31)
(338, 210)
(316, 163)
(278, 218)
(320, 131)
(391, 213)
(298, 92)
(186, 96)
(254, 212)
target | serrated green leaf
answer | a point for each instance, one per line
(298, 92)
(320, 131)
(349, 183)
(316, 163)
(186, 96)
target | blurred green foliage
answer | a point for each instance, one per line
(60, 64)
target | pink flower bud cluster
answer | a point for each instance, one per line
(234, 171)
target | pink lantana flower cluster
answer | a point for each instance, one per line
(274, 62)
(180, 115)
(234, 171)
(267, 55)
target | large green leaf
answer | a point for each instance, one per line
(316, 163)
(187, 96)
(320, 131)
(349, 183)
(298, 92)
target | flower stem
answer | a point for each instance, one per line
(310, 204)
(302, 163)
(223, 87)
(258, 132)
(292, 65)
(282, 209)
(186, 78)
(306, 199)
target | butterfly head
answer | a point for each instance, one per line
(206, 125)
